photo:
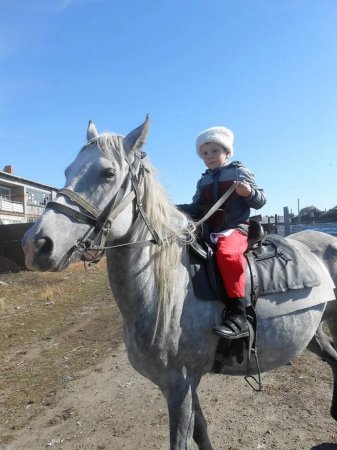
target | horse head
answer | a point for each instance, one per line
(98, 181)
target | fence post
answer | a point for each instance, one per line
(286, 221)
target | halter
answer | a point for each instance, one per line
(100, 221)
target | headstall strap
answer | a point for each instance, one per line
(114, 213)
(101, 221)
(134, 182)
(80, 201)
(78, 215)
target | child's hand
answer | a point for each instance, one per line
(243, 188)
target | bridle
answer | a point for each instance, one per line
(93, 244)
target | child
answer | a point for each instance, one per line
(228, 227)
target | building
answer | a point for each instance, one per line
(22, 200)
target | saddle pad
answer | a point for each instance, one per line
(282, 267)
(274, 305)
(205, 279)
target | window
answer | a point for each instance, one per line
(5, 193)
(37, 198)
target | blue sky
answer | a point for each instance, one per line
(267, 69)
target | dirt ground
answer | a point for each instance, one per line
(112, 407)
(109, 406)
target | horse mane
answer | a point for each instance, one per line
(175, 230)
(172, 226)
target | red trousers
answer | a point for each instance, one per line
(232, 263)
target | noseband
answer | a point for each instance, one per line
(100, 221)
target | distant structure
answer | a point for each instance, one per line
(311, 214)
(330, 215)
(22, 200)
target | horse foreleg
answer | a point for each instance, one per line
(200, 434)
(180, 398)
(322, 346)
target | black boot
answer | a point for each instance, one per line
(234, 325)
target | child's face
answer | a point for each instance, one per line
(213, 155)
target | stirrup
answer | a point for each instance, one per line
(233, 327)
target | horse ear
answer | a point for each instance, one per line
(92, 132)
(136, 138)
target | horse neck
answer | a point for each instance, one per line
(134, 284)
(132, 280)
(143, 278)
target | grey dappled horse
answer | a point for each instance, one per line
(111, 195)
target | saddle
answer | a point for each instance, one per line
(273, 265)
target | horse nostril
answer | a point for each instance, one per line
(44, 246)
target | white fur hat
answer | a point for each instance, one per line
(220, 135)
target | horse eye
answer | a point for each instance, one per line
(109, 173)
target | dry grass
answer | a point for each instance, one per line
(52, 327)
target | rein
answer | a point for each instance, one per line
(100, 221)
(216, 205)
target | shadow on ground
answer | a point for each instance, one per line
(325, 446)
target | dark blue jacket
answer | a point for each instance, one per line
(234, 213)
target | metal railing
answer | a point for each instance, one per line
(7, 205)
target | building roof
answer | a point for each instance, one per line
(15, 178)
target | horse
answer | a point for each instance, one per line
(113, 202)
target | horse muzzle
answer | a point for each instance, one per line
(39, 254)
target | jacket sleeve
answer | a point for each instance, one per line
(193, 209)
(257, 198)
